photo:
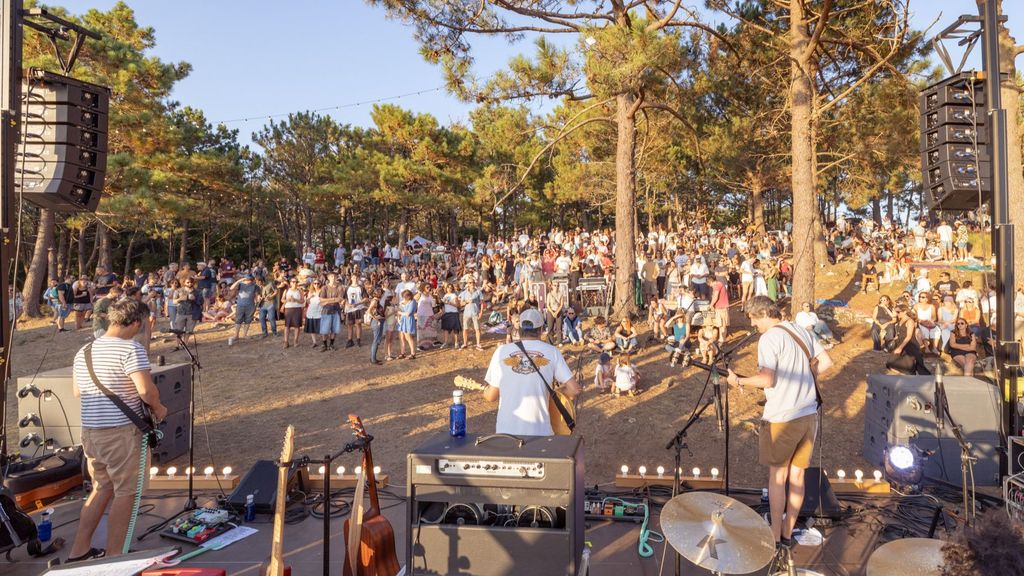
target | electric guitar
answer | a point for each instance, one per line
(276, 566)
(558, 425)
(370, 539)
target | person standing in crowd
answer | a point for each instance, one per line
(294, 300)
(100, 322)
(355, 305)
(314, 313)
(516, 378)
(720, 304)
(206, 280)
(450, 325)
(332, 297)
(376, 312)
(339, 256)
(789, 362)
(407, 325)
(269, 303)
(65, 299)
(186, 299)
(470, 300)
(105, 279)
(554, 306)
(81, 300)
(244, 292)
(112, 443)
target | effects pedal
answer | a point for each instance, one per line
(614, 508)
(199, 526)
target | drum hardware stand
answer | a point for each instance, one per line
(677, 444)
(327, 462)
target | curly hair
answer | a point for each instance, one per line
(992, 547)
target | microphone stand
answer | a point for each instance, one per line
(677, 444)
(190, 502)
(722, 399)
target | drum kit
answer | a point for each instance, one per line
(724, 536)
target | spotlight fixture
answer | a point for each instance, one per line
(904, 467)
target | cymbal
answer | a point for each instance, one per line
(717, 533)
(907, 557)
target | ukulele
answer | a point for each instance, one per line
(276, 566)
(371, 537)
(558, 425)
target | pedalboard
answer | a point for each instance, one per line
(614, 508)
(490, 468)
(199, 526)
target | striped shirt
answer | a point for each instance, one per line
(113, 359)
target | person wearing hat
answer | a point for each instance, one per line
(244, 293)
(523, 406)
(604, 373)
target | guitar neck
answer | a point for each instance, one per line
(371, 480)
(277, 547)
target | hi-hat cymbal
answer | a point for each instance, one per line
(717, 533)
(907, 557)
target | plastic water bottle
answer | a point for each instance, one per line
(457, 416)
(250, 508)
(45, 526)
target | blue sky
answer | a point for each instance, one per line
(257, 58)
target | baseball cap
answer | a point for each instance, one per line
(605, 358)
(530, 319)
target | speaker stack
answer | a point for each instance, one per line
(954, 151)
(900, 411)
(62, 158)
(50, 416)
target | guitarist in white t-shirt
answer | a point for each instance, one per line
(513, 381)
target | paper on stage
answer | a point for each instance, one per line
(115, 567)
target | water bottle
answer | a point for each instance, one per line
(457, 416)
(45, 526)
(250, 508)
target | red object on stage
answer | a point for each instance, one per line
(185, 572)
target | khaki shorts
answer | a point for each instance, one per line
(787, 443)
(722, 317)
(113, 458)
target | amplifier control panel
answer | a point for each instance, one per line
(492, 468)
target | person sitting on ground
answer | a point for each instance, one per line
(678, 339)
(219, 312)
(807, 319)
(599, 338)
(963, 347)
(626, 376)
(883, 324)
(927, 314)
(626, 338)
(572, 327)
(707, 338)
(657, 313)
(907, 355)
(604, 373)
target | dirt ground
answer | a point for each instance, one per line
(248, 393)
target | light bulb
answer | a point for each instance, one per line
(696, 472)
(841, 474)
(642, 470)
(878, 475)
(376, 470)
(171, 472)
(321, 470)
(714, 473)
(624, 469)
(153, 472)
(358, 470)
(207, 471)
(226, 471)
(189, 471)
(661, 471)
(340, 470)
(859, 474)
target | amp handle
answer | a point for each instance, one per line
(490, 437)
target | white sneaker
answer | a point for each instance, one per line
(231, 341)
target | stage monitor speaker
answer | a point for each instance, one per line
(899, 410)
(819, 499)
(61, 160)
(261, 482)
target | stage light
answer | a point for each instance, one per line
(841, 474)
(226, 471)
(661, 471)
(696, 472)
(340, 470)
(624, 469)
(358, 470)
(642, 470)
(714, 473)
(376, 470)
(153, 471)
(904, 467)
(321, 470)
(207, 472)
(171, 472)
(901, 457)
(878, 475)
(858, 474)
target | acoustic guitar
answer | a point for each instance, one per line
(558, 424)
(371, 537)
(276, 566)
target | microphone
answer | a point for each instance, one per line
(28, 420)
(29, 389)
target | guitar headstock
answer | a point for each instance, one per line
(288, 447)
(357, 426)
(468, 384)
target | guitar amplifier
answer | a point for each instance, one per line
(496, 505)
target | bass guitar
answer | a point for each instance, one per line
(558, 424)
(370, 537)
(276, 566)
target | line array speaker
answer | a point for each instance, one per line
(954, 155)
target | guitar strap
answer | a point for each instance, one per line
(569, 421)
(810, 360)
(145, 426)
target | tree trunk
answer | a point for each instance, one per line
(53, 269)
(183, 249)
(757, 201)
(81, 251)
(128, 257)
(307, 237)
(35, 280)
(805, 210)
(105, 250)
(625, 204)
(453, 228)
(876, 209)
(890, 206)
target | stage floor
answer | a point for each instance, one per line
(844, 553)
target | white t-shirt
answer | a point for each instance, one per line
(806, 320)
(523, 404)
(624, 378)
(113, 360)
(792, 394)
(945, 233)
(357, 254)
(450, 302)
(353, 299)
(407, 285)
(562, 264)
(313, 308)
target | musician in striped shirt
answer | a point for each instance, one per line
(111, 441)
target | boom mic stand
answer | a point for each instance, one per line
(677, 444)
(190, 502)
(723, 398)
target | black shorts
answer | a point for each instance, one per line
(312, 325)
(293, 317)
(354, 317)
(451, 322)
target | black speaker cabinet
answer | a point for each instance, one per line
(498, 508)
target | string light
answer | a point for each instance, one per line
(207, 472)
(642, 470)
(661, 471)
(841, 474)
(226, 471)
(624, 469)
(153, 471)
(859, 474)
(338, 107)
(171, 472)
(341, 470)
(878, 475)
(714, 473)
(696, 472)
(321, 470)
(376, 470)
